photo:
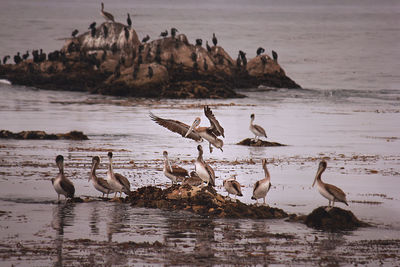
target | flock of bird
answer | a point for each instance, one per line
(203, 173)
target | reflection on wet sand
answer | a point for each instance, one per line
(63, 215)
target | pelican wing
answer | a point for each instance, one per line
(211, 173)
(256, 186)
(236, 186)
(260, 129)
(336, 192)
(179, 171)
(104, 183)
(68, 187)
(215, 127)
(176, 127)
(124, 181)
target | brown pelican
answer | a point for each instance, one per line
(257, 130)
(105, 14)
(99, 183)
(203, 170)
(197, 134)
(193, 180)
(174, 173)
(262, 187)
(62, 184)
(232, 186)
(214, 40)
(331, 192)
(116, 181)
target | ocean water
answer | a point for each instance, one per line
(344, 54)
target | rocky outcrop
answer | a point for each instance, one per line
(203, 201)
(259, 143)
(41, 135)
(333, 219)
(110, 59)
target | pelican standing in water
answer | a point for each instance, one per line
(194, 132)
(262, 187)
(233, 187)
(174, 173)
(257, 130)
(99, 183)
(117, 182)
(329, 191)
(203, 170)
(62, 184)
(105, 14)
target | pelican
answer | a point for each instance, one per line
(62, 184)
(197, 134)
(257, 130)
(99, 183)
(174, 173)
(203, 170)
(329, 191)
(193, 180)
(105, 14)
(262, 187)
(117, 182)
(232, 186)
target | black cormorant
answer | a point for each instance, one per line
(17, 58)
(199, 42)
(74, 33)
(205, 65)
(126, 33)
(5, 58)
(129, 21)
(214, 40)
(173, 32)
(164, 33)
(243, 57)
(208, 47)
(26, 55)
(145, 39)
(105, 31)
(93, 25)
(194, 56)
(275, 56)
(260, 50)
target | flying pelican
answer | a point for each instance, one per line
(203, 170)
(197, 134)
(105, 14)
(116, 181)
(329, 191)
(174, 173)
(262, 187)
(232, 186)
(257, 130)
(62, 184)
(99, 183)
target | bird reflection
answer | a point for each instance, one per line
(94, 221)
(119, 220)
(63, 215)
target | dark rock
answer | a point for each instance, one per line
(335, 219)
(259, 142)
(203, 201)
(41, 135)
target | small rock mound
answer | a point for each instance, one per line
(203, 201)
(41, 135)
(259, 142)
(335, 219)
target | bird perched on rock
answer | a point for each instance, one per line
(257, 130)
(261, 187)
(243, 57)
(5, 58)
(129, 21)
(275, 56)
(164, 33)
(26, 55)
(92, 25)
(105, 14)
(173, 32)
(232, 186)
(199, 42)
(145, 39)
(150, 72)
(260, 50)
(74, 33)
(92, 28)
(208, 47)
(17, 58)
(214, 40)
(174, 173)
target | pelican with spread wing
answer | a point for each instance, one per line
(195, 132)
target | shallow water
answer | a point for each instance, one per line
(345, 52)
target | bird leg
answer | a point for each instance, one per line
(211, 149)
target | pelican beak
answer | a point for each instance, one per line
(190, 129)
(170, 167)
(221, 149)
(314, 181)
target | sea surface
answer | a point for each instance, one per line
(345, 55)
